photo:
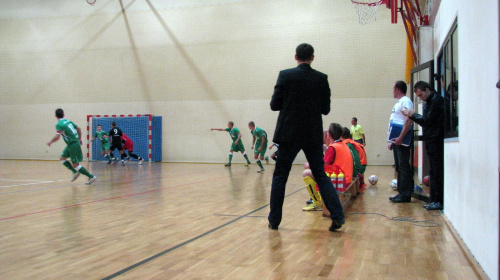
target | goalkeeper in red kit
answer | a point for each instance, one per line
(128, 145)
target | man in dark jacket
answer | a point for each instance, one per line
(302, 95)
(432, 123)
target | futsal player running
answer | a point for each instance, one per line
(72, 136)
(103, 137)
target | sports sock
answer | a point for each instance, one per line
(230, 157)
(260, 164)
(123, 156)
(246, 157)
(69, 166)
(84, 171)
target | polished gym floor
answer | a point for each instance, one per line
(207, 221)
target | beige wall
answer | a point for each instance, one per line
(197, 66)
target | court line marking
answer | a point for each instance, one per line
(107, 199)
(16, 180)
(182, 244)
(27, 184)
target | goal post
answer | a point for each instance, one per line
(143, 130)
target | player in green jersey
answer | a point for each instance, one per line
(260, 144)
(103, 137)
(237, 145)
(72, 136)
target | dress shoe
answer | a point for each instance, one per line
(434, 206)
(272, 227)
(394, 197)
(401, 199)
(336, 224)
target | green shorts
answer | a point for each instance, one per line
(74, 152)
(257, 146)
(104, 146)
(238, 148)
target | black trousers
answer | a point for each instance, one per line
(314, 155)
(435, 152)
(405, 171)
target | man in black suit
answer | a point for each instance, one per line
(302, 95)
(432, 123)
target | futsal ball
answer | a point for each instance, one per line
(373, 179)
(394, 184)
(426, 180)
(418, 189)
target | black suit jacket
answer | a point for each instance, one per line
(302, 95)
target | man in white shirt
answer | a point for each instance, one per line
(402, 152)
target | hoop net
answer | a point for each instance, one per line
(367, 10)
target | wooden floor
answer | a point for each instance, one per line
(206, 221)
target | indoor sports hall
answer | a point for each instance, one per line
(166, 72)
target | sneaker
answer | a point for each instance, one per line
(128, 159)
(123, 162)
(247, 164)
(109, 162)
(318, 206)
(266, 159)
(75, 175)
(260, 171)
(91, 180)
(309, 201)
(140, 161)
(227, 164)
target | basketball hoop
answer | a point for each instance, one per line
(91, 2)
(367, 10)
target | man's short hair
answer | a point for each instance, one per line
(304, 52)
(335, 131)
(59, 113)
(401, 85)
(99, 125)
(355, 119)
(231, 123)
(346, 133)
(251, 124)
(113, 123)
(423, 86)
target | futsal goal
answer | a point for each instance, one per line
(144, 130)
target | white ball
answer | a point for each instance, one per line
(373, 179)
(394, 184)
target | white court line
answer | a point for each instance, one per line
(16, 180)
(36, 183)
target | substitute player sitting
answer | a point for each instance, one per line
(103, 137)
(260, 144)
(237, 145)
(337, 155)
(128, 145)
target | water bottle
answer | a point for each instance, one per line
(341, 182)
(333, 178)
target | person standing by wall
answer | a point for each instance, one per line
(432, 123)
(302, 96)
(357, 132)
(402, 152)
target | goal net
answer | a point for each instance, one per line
(143, 130)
